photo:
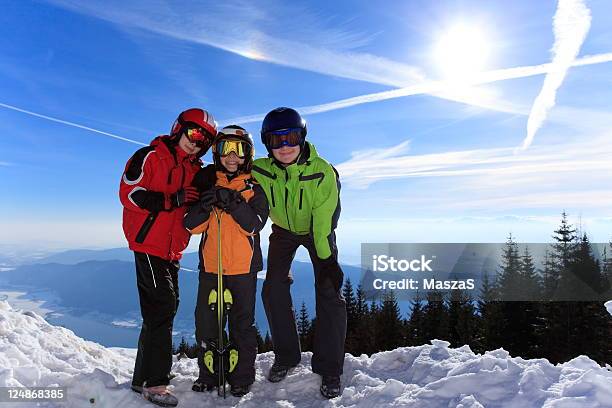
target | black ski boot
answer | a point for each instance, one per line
(278, 372)
(240, 390)
(200, 385)
(330, 386)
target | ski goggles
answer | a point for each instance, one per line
(198, 136)
(285, 137)
(238, 147)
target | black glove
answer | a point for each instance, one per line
(207, 199)
(228, 199)
(187, 195)
(205, 178)
(330, 269)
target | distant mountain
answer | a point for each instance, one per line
(74, 256)
(108, 287)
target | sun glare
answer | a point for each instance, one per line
(461, 52)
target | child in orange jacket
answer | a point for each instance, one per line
(229, 216)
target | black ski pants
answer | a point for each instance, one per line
(242, 332)
(158, 291)
(330, 326)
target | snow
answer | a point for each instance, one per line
(608, 305)
(35, 353)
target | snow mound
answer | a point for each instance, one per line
(35, 353)
(608, 306)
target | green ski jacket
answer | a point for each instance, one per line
(304, 197)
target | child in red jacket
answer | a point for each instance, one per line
(155, 189)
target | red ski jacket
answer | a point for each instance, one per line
(151, 222)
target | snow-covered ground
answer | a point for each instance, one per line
(35, 353)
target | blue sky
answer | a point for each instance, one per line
(505, 119)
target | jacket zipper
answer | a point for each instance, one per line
(182, 166)
(286, 209)
(301, 194)
(272, 194)
(286, 198)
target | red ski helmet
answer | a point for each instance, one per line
(194, 117)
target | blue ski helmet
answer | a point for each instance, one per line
(280, 119)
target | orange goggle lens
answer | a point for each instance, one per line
(198, 136)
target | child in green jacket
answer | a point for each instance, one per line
(303, 193)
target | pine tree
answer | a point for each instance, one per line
(183, 347)
(435, 316)
(564, 252)
(415, 332)
(349, 298)
(361, 306)
(304, 327)
(587, 273)
(557, 317)
(490, 324)
(512, 294)
(591, 326)
(461, 318)
(389, 323)
(362, 339)
(528, 278)
(528, 309)
(370, 330)
(550, 277)
(260, 340)
(509, 277)
(352, 335)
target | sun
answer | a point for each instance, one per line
(461, 52)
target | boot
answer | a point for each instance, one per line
(330, 386)
(240, 390)
(278, 372)
(159, 395)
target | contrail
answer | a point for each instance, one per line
(65, 122)
(571, 24)
(430, 87)
(424, 88)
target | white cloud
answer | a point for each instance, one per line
(586, 159)
(238, 27)
(592, 199)
(442, 88)
(311, 46)
(571, 24)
